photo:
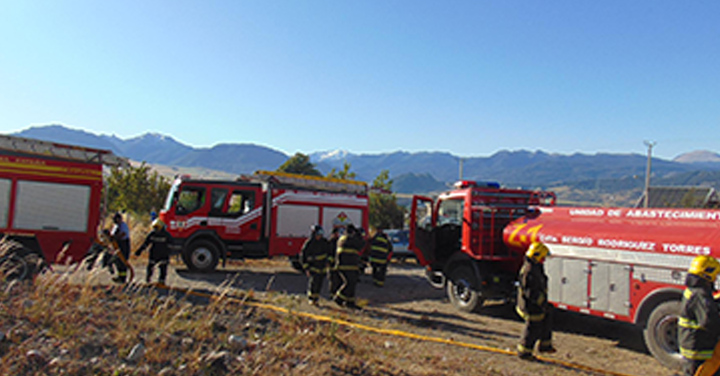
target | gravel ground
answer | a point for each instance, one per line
(410, 304)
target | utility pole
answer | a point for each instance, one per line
(461, 160)
(649, 145)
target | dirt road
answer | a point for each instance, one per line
(408, 303)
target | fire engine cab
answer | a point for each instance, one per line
(262, 215)
(623, 264)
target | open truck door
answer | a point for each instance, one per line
(422, 238)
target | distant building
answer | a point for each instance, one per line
(681, 197)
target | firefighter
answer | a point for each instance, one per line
(380, 252)
(158, 240)
(347, 261)
(120, 234)
(334, 281)
(364, 252)
(314, 258)
(532, 303)
(699, 317)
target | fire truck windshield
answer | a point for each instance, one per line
(450, 211)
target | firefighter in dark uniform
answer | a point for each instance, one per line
(699, 323)
(158, 240)
(532, 303)
(314, 258)
(347, 261)
(120, 234)
(380, 252)
(334, 281)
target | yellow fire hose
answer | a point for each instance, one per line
(112, 244)
(393, 332)
(710, 366)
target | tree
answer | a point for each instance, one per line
(299, 164)
(136, 189)
(344, 174)
(384, 209)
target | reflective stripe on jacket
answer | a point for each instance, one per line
(532, 292)
(380, 249)
(699, 322)
(347, 256)
(314, 255)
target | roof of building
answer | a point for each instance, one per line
(680, 197)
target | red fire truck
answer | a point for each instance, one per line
(620, 264)
(50, 196)
(264, 215)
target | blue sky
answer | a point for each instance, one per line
(467, 77)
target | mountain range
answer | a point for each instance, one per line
(412, 172)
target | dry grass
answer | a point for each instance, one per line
(54, 328)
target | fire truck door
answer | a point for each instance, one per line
(610, 287)
(244, 210)
(422, 238)
(236, 212)
(568, 281)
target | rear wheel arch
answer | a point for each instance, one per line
(459, 260)
(648, 304)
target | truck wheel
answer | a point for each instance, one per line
(201, 256)
(19, 263)
(460, 290)
(661, 334)
(13, 267)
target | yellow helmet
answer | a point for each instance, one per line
(706, 267)
(158, 224)
(537, 252)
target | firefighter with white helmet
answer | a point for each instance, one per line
(334, 280)
(158, 240)
(347, 261)
(699, 323)
(532, 303)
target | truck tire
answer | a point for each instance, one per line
(201, 256)
(13, 267)
(460, 289)
(661, 334)
(19, 263)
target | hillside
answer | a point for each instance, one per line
(159, 149)
(577, 175)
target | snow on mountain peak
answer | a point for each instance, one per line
(333, 155)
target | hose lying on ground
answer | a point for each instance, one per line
(391, 332)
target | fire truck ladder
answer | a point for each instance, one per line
(55, 150)
(315, 182)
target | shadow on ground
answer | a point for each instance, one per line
(403, 286)
(399, 287)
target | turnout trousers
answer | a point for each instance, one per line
(334, 281)
(162, 266)
(378, 273)
(345, 295)
(124, 248)
(536, 331)
(315, 282)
